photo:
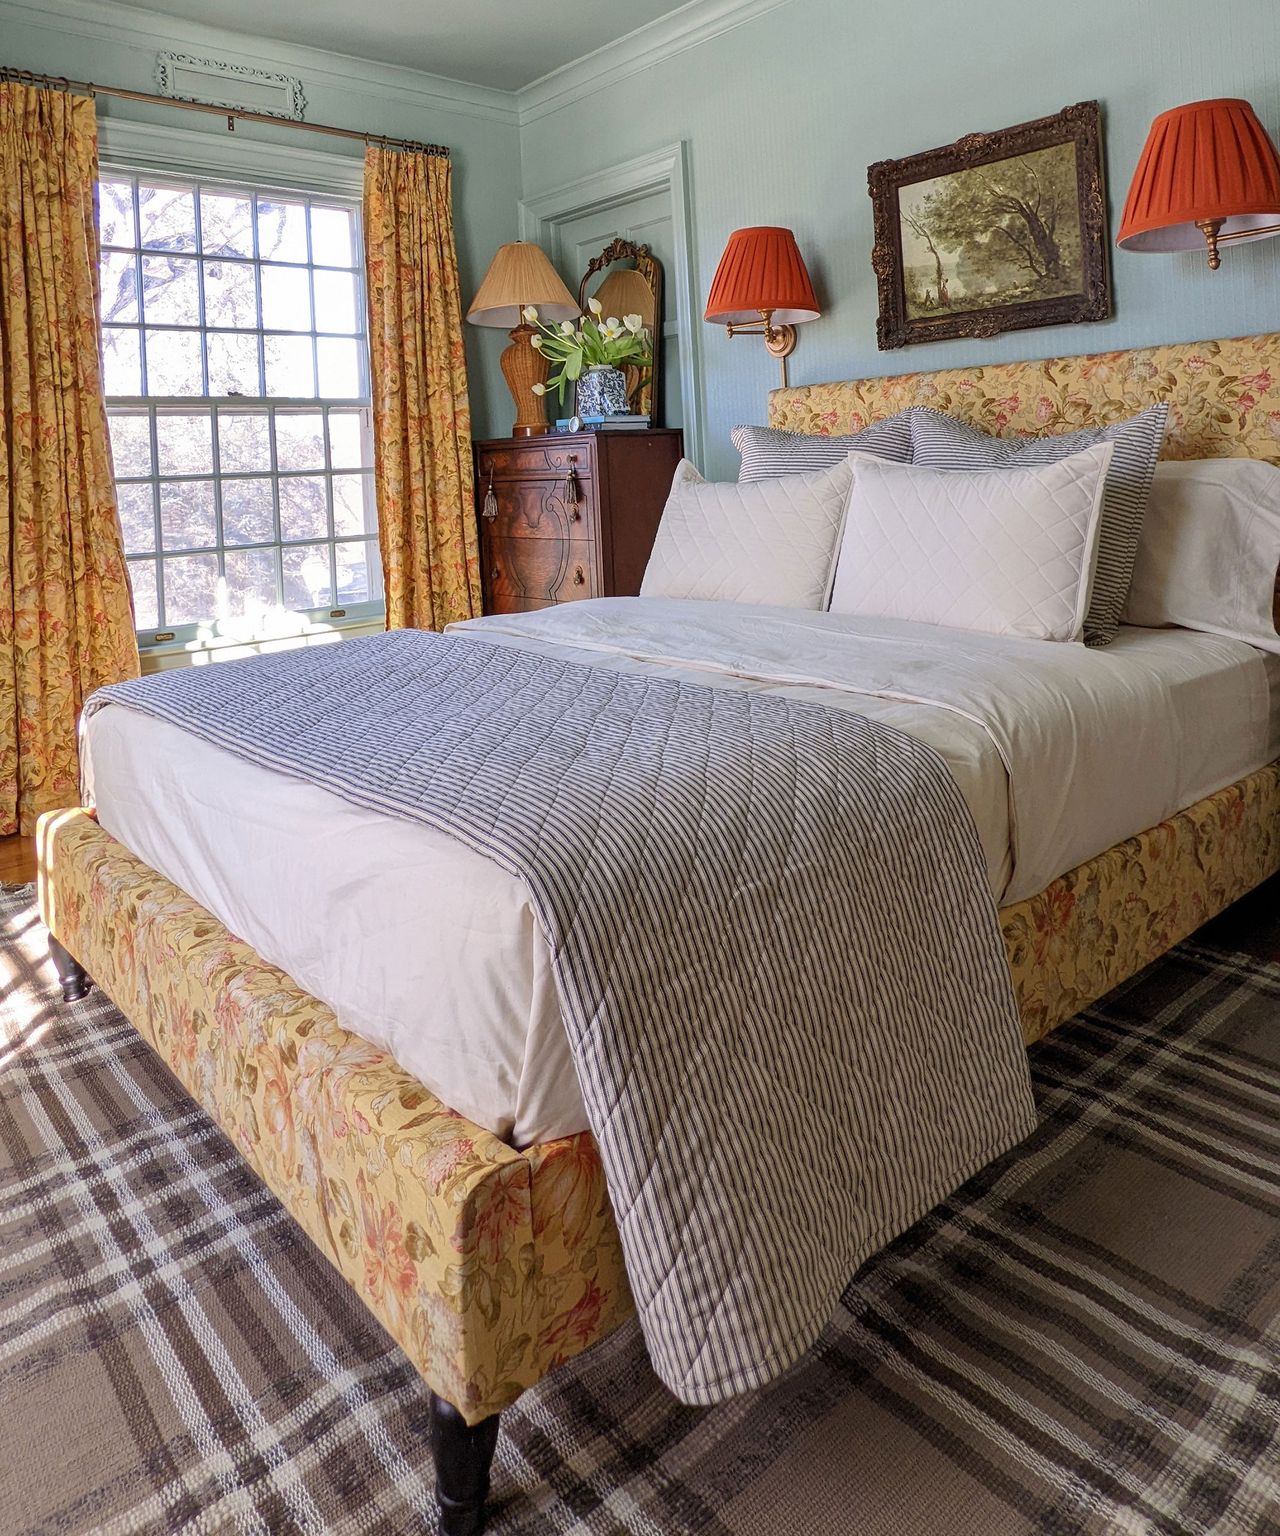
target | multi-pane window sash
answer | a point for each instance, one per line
(235, 361)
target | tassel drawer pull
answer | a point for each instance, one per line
(490, 510)
(573, 495)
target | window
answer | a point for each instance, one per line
(236, 370)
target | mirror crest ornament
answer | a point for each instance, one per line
(627, 255)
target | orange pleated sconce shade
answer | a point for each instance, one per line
(1207, 160)
(761, 269)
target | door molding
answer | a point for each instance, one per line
(666, 169)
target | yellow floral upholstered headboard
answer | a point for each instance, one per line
(1224, 396)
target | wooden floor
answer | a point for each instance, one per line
(17, 860)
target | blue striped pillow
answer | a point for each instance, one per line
(768, 453)
(942, 442)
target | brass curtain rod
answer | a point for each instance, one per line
(232, 114)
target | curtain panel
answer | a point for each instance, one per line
(66, 618)
(421, 412)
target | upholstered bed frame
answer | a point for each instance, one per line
(491, 1266)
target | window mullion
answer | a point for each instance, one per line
(275, 505)
(200, 306)
(257, 300)
(219, 532)
(142, 314)
(155, 511)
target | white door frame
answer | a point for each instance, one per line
(665, 169)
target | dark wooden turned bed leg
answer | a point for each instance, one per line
(463, 1455)
(75, 980)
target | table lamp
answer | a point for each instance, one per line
(1208, 173)
(762, 288)
(520, 275)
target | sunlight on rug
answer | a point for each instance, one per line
(1084, 1340)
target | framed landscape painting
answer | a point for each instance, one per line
(996, 232)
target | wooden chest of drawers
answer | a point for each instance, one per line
(575, 514)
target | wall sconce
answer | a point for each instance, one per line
(1208, 172)
(762, 288)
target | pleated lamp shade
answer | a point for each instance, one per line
(1207, 160)
(625, 292)
(761, 269)
(520, 274)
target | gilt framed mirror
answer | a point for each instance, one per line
(627, 279)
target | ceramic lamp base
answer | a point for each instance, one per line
(523, 367)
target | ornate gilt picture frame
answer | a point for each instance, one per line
(996, 232)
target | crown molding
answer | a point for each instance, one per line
(152, 30)
(693, 24)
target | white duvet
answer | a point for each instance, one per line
(429, 950)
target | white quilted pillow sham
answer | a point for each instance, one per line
(766, 541)
(1004, 551)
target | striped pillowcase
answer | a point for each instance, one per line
(768, 453)
(942, 442)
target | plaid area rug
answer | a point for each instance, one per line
(1086, 1339)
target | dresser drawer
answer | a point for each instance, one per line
(539, 509)
(554, 456)
(521, 573)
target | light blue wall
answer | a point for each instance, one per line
(485, 152)
(784, 114)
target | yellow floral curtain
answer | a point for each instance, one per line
(421, 412)
(66, 619)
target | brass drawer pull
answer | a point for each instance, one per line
(573, 494)
(578, 577)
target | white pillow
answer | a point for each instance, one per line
(1006, 551)
(1210, 550)
(766, 541)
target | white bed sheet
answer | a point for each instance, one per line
(429, 950)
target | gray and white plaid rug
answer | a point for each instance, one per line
(1085, 1339)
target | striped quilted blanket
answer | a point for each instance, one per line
(774, 943)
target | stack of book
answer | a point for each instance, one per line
(624, 423)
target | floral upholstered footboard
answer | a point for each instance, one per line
(487, 1265)
(490, 1266)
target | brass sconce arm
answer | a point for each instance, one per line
(779, 340)
(1211, 229)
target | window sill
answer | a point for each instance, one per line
(203, 652)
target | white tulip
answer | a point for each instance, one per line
(536, 343)
(634, 323)
(538, 389)
(613, 323)
(567, 327)
(595, 306)
(530, 313)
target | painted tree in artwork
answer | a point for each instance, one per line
(1029, 203)
(918, 225)
(1014, 223)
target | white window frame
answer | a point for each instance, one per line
(160, 156)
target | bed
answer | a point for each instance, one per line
(484, 1241)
